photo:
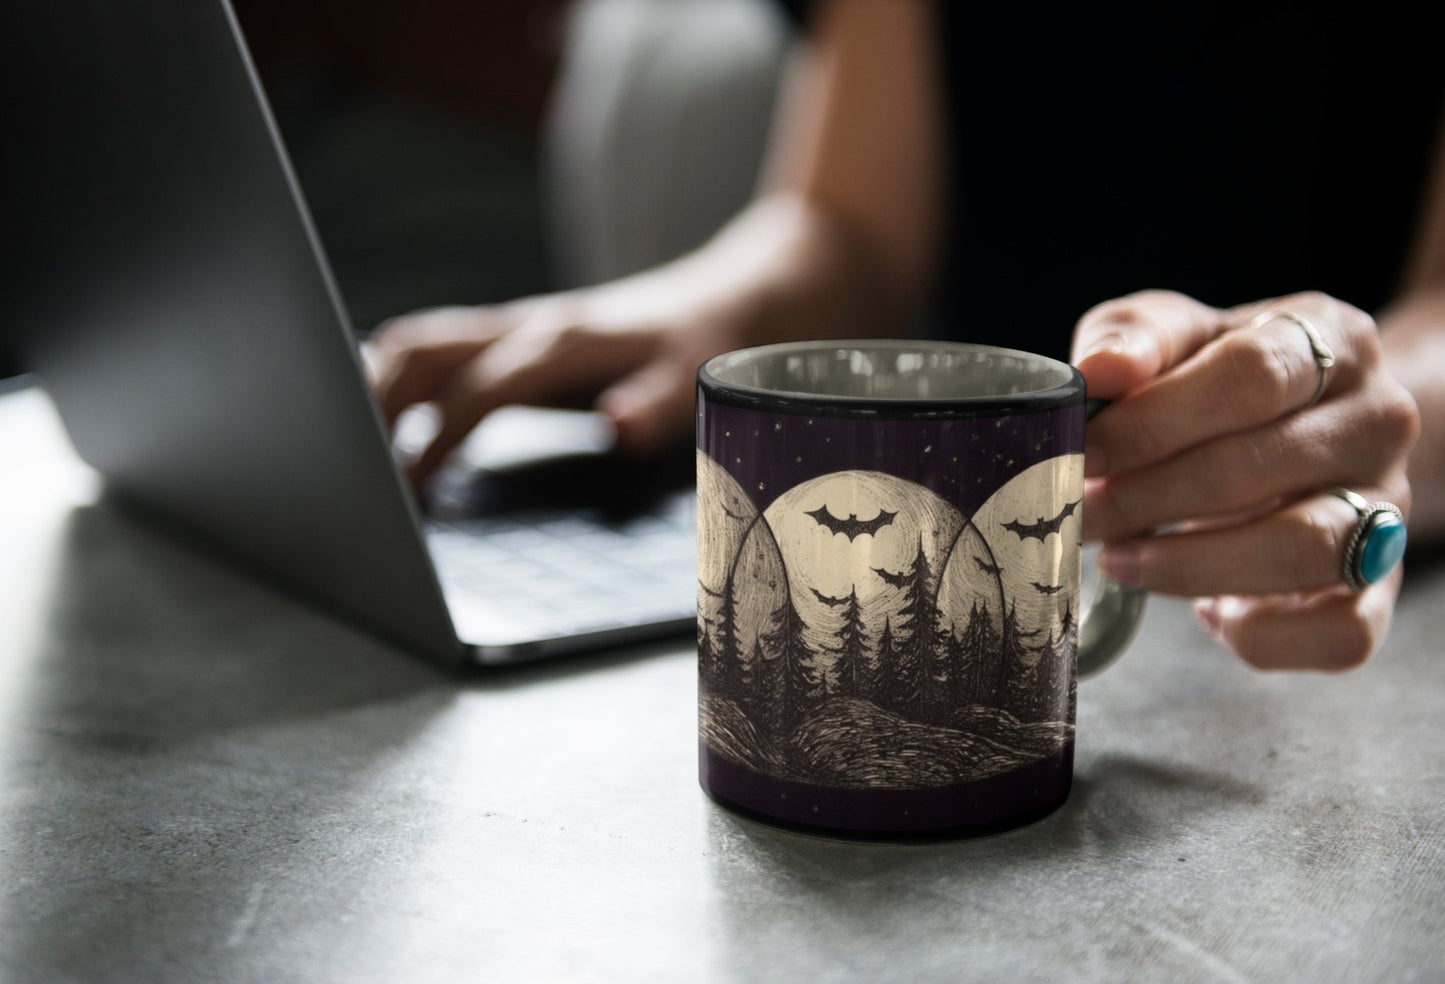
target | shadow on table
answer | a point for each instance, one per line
(173, 729)
(1118, 802)
(145, 634)
(1123, 811)
(186, 752)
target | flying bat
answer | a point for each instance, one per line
(852, 527)
(709, 591)
(828, 600)
(990, 569)
(1043, 527)
(1047, 589)
(897, 580)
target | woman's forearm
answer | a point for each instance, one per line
(842, 238)
(1413, 334)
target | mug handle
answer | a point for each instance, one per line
(1117, 611)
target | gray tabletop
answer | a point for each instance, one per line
(203, 779)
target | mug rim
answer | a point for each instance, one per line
(717, 390)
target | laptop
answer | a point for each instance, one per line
(177, 305)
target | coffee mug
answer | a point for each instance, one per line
(889, 554)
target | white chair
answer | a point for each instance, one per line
(657, 128)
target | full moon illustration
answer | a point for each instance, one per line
(724, 515)
(759, 587)
(972, 580)
(732, 538)
(835, 552)
(1034, 525)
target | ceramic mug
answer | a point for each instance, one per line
(889, 554)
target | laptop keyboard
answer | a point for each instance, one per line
(546, 574)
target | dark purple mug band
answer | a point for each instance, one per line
(960, 810)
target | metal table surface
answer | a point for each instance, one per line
(202, 779)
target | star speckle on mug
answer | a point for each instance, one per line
(962, 460)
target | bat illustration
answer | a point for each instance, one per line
(1047, 589)
(897, 580)
(852, 527)
(1043, 527)
(827, 600)
(709, 591)
(990, 569)
(728, 512)
(1029, 635)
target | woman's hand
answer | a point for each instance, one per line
(783, 269)
(838, 244)
(631, 354)
(1208, 476)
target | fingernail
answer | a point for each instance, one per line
(1112, 343)
(1121, 562)
(1206, 610)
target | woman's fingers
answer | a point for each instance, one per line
(1208, 471)
(1347, 441)
(1121, 344)
(543, 362)
(1250, 374)
(1299, 547)
(415, 354)
(632, 352)
(652, 405)
(1335, 630)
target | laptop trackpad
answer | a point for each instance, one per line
(531, 458)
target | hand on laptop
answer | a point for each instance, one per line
(631, 347)
(1222, 434)
(631, 353)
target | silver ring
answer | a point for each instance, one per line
(1375, 545)
(1324, 356)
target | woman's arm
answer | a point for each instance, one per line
(840, 241)
(1412, 331)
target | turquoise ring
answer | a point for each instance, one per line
(1376, 544)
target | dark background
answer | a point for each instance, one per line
(413, 129)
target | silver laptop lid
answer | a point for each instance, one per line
(180, 311)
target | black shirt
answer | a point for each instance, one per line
(1229, 151)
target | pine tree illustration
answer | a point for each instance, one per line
(850, 663)
(1051, 701)
(979, 651)
(1011, 665)
(753, 675)
(917, 655)
(707, 666)
(956, 682)
(1069, 637)
(938, 682)
(880, 677)
(1047, 697)
(767, 710)
(1069, 631)
(729, 654)
(798, 686)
